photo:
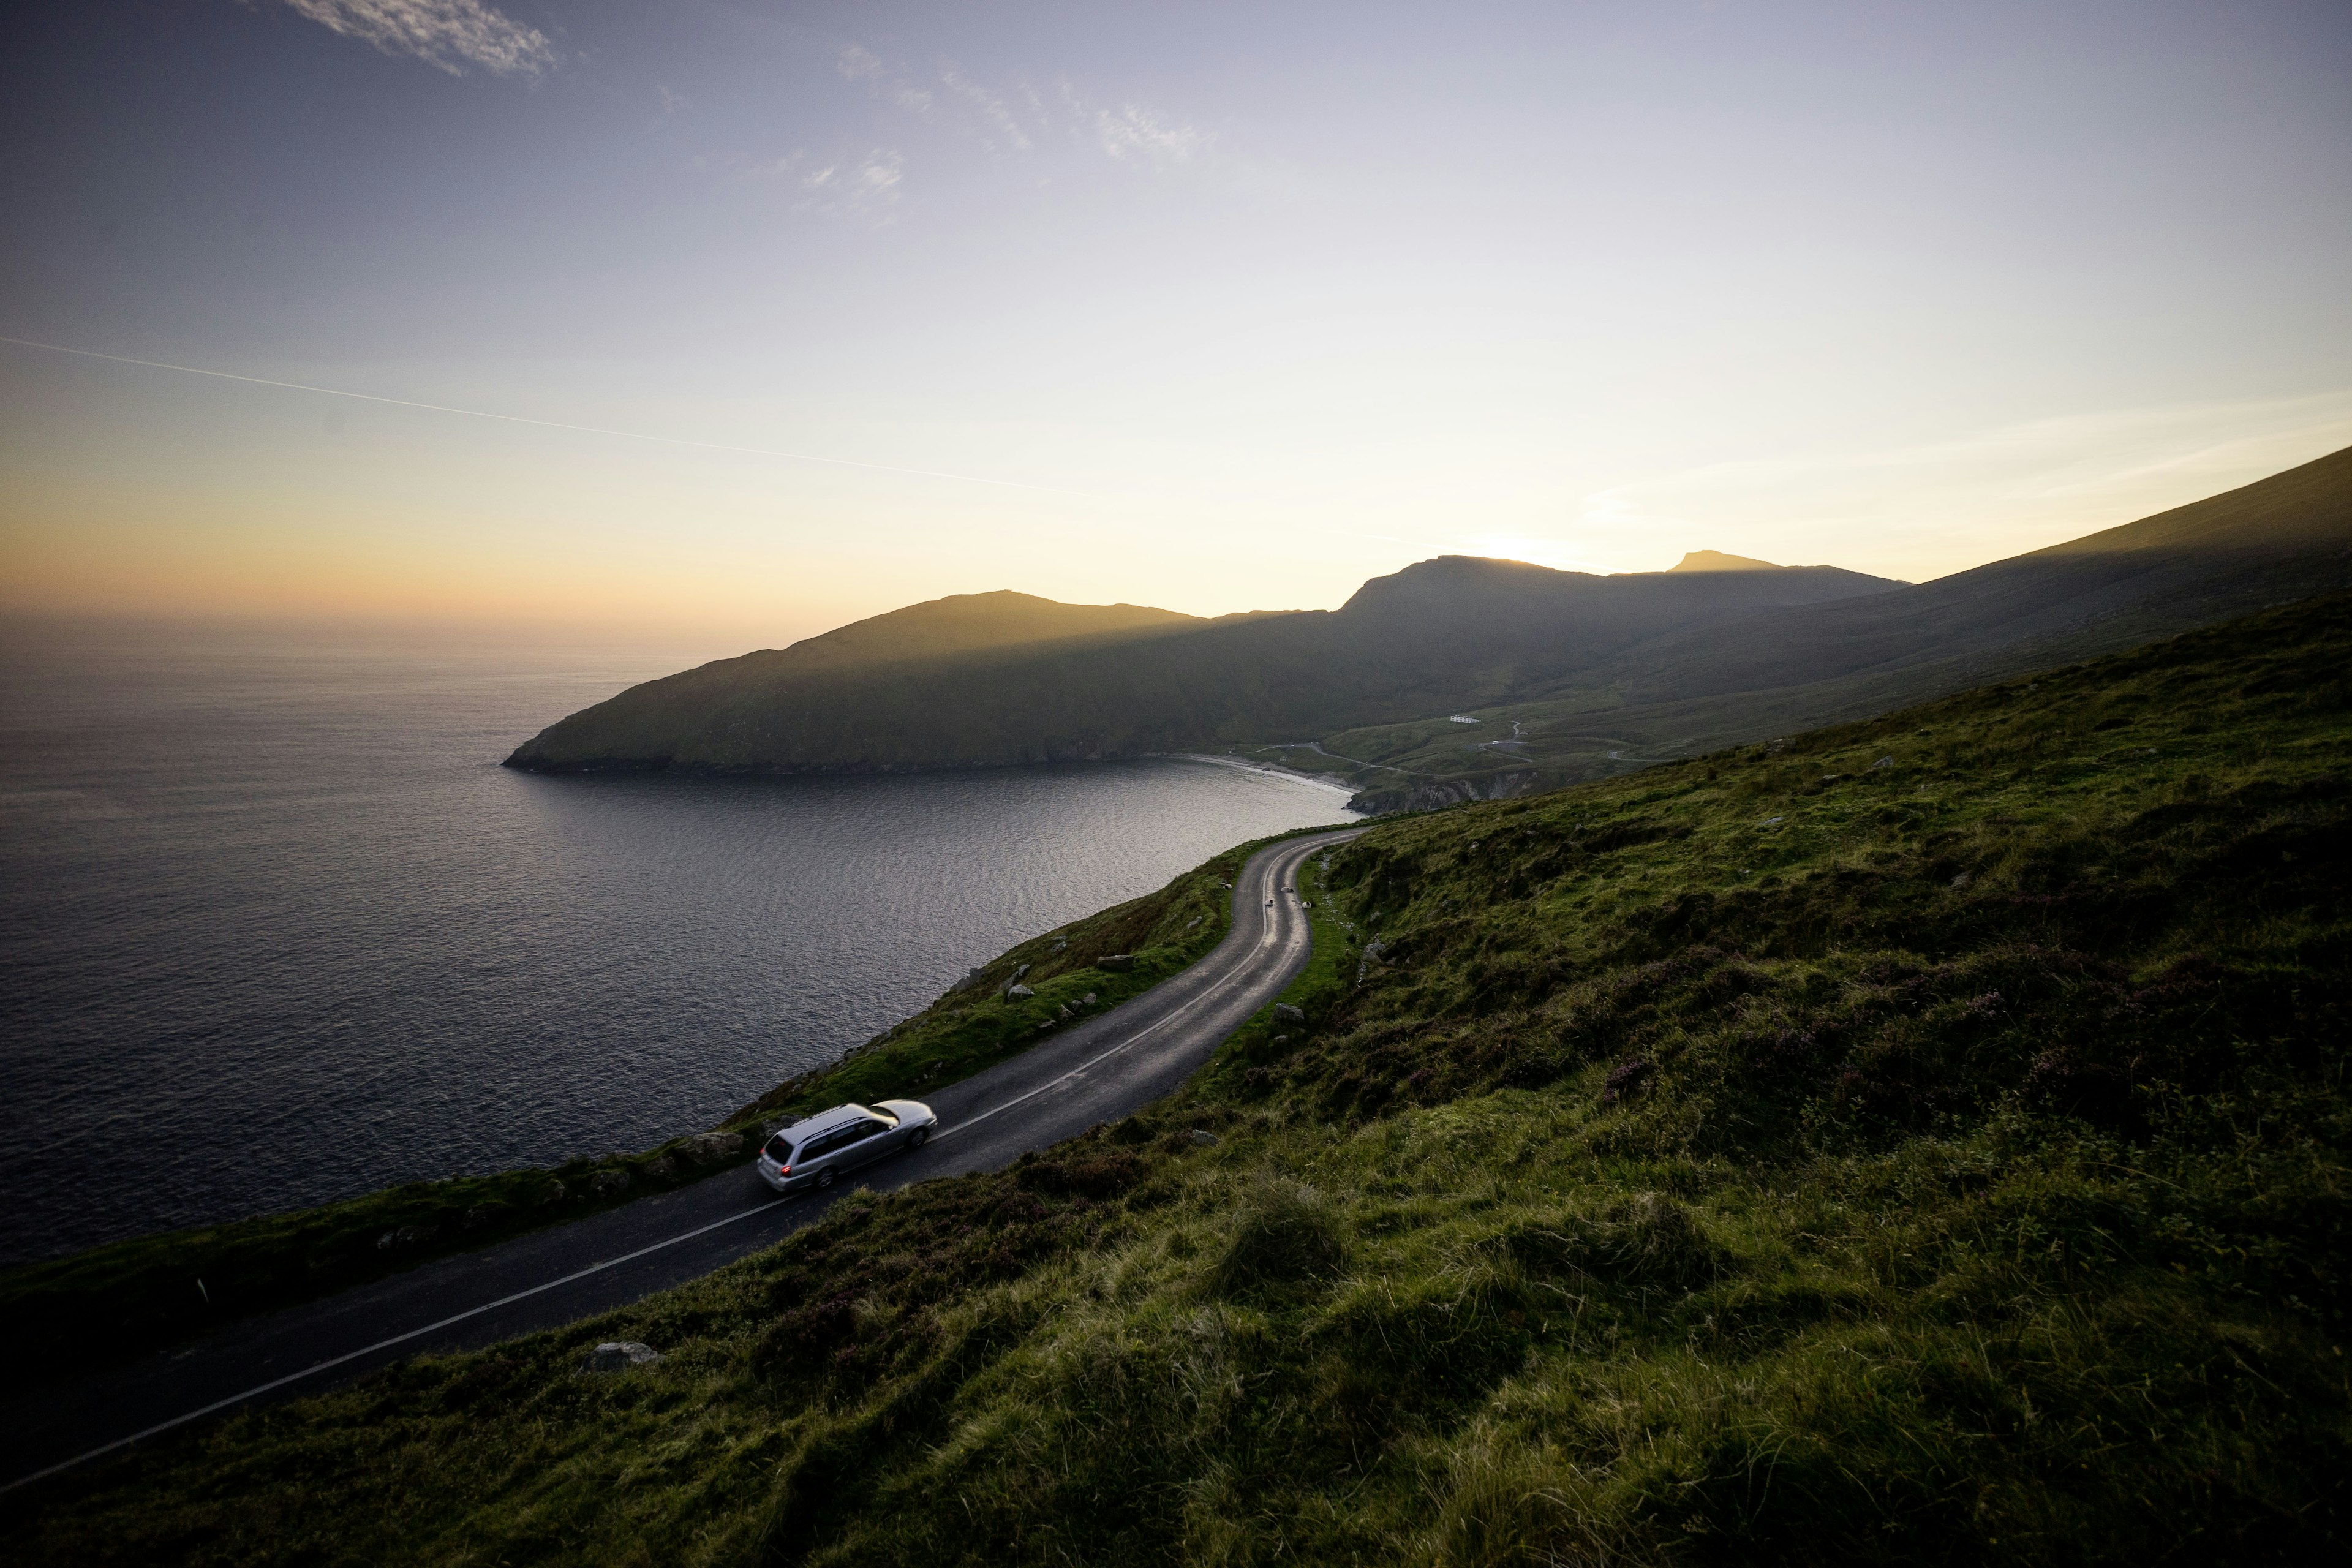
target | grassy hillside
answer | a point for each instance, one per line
(1442, 632)
(1924, 1139)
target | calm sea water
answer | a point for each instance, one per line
(275, 928)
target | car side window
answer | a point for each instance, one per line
(859, 1131)
(821, 1145)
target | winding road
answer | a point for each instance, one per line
(1098, 1070)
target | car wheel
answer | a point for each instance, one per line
(824, 1179)
(918, 1137)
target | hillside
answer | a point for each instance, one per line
(1779, 670)
(1571, 676)
(1922, 1140)
(897, 693)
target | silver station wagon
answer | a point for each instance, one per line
(811, 1154)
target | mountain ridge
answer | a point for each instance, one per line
(1429, 635)
(1573, 675)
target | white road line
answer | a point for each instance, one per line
(317, 1367)
(1207, 992)
(1278, 870)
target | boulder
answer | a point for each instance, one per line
(1284, 1013)
(406, 1236)
(709, 1148)
(1117, 963)
(1088, 1000)
(620, 1355)
(1018, 993)
(555, 1192)
(661, 1167)
(1013, 984)
(1203, 1137)
(608, 1184)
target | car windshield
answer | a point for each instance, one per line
(882, 1117)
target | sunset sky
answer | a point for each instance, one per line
(1209, 306)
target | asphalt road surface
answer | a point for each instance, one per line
(1098, 1070)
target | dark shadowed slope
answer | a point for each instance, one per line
(902, 691)
(2214, 558)
(1783, 669)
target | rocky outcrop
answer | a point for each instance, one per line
(1441, 792)
(620, 1355)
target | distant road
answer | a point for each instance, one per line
(1098, 1070)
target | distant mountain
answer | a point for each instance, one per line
(1787, 669)
(990, 679)
(1717, 561)
(1569, 674)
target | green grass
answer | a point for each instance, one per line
(1779, 1156)
(133, 1297)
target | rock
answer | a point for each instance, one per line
(1018, 993)
(661, 1168)
(1117, 963)
(1881, 763)
(1088, 1000)
(935, 1068)
(555, 1192)
(1203, 1137)
(406, 1236)
(620, 1355)
(1281, 1039)
(1284, 1013)
(1190, 923)
(1060, 943)
(1064, 1012)
(606, 1184)
(709, 1148)
(1015, 984)
(969, 981)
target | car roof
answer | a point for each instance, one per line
(825, 1120)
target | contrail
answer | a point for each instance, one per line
(561, 424)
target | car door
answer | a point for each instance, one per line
(864, 1141)
(821, 1153)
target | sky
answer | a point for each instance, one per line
(737, 322)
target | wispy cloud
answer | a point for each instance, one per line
(1131, 132)
(859, 187)
(848, 184)
(1016, 121)
(450, 34)
(988, 109)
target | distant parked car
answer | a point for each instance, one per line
(811, 1154)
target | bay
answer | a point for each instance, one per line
(276, 928)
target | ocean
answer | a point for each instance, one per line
(276, 928)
